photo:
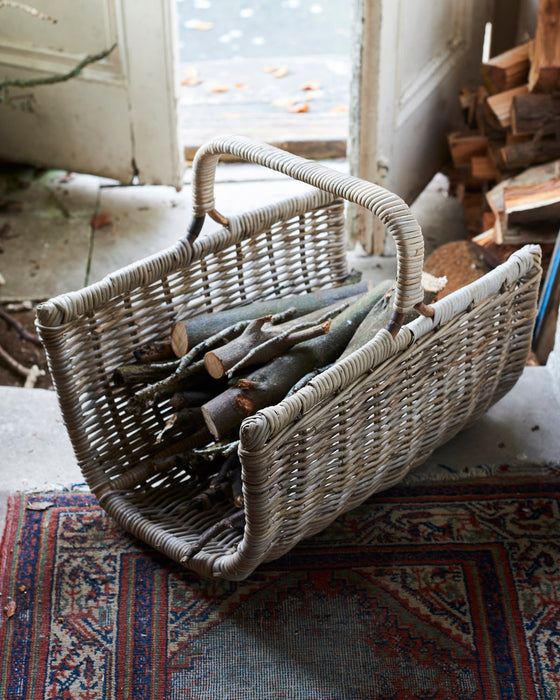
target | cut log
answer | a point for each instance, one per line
(535, 202)
(501, 104)
(532, 177)
(269, 384)
(261, 341)
(544, 74)
(507, 70)
(483, 168)
(532, 113)
(194, 330)
(380, 314)
(157, 351)
(523, 155)
(463, 146)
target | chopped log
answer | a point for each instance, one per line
(269, 384)
(507, 70)
(155, 352)
(532, 113)
(142, 373)
(258, 344)
(193, 398)
(483, 168)
(544, 74)
(538, 201)
(523, 155)
(380, 313)
(463, 146)
(501, 104)
(198, 328)
(496, 200)
(261, 340)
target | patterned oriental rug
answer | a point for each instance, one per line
(432, 591)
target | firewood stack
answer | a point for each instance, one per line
(506, 170)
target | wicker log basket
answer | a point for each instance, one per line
(355, 429)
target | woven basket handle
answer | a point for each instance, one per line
(390, 209)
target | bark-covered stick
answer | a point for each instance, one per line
(194, 330)
(380, 313)
(269, 384)
(261, 340)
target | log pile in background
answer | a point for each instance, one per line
(506, 167)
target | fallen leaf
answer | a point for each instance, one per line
(299, 107)
(281, 72)
(199, 24)
(190, 78)
(270, 69)
(10, 609)
(310, 85)
(219, 87)
(102, 219)
(340, 109)
(241, 86)
(39, 505)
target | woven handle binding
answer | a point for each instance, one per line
(390, 209)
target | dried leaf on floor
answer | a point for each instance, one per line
(190, 76)
(299, 107)
(339, 109)
(39, 505)
(241, 86)
(311, 85)
(102, 219)
(281, 72)
(218, 87)
(10, 608)
(199, 24)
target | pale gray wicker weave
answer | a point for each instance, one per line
(355, 429)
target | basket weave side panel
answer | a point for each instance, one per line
(301, 254)
(369, 435)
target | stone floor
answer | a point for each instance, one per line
(52, 247)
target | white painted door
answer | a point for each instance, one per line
(118, 118)
(412, 59)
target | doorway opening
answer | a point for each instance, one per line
(277, 72)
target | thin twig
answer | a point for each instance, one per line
(226, 524)
(20, 330)
(31, 374)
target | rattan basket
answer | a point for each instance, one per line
(355, 429)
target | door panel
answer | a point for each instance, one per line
(415, 57)
(118, 118)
